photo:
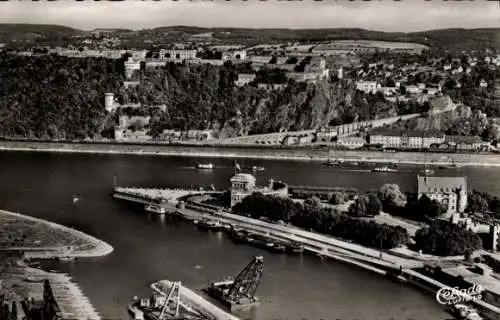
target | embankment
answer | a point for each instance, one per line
(269, 153)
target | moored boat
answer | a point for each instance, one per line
(258, 168)
(209, 225)
(295, 247)
(384, 169)
(155, 209)
(205, 166)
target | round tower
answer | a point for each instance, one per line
(109, 101)
(340, 73)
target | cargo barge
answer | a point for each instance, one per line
(261, 241)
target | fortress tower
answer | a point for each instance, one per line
(340, 73)
(109, 102)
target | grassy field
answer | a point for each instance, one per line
(18, 232)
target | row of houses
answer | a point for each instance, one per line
(428, 139)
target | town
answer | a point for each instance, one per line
(393, 94)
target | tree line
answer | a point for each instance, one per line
(439, 238)
(322, 220)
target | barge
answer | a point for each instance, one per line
(209, 225)
(261, 241)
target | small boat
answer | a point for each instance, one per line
(209, 225)
(75, 198)
(295, 248)
(67, 258)
(257, 168)
(384, 169)
(330, 163)
(205, 166)
(428, 171)
(278, 248)
(155, 209)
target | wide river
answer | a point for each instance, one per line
(148, 249)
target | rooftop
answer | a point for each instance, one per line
(441, 184)
(243, 177)
(410, 133)
(463, 139)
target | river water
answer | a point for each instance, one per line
(148, 249)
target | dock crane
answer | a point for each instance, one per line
(240, 292)
(245, 285)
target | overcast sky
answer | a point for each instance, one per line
(384, 15)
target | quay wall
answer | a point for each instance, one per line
(270, 153)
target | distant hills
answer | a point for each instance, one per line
(9, 32)
(445, 39)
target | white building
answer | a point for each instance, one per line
(367, 86)
(178, 54)
(130, 66)
(243, 185)
(449, 191)
(244, 78)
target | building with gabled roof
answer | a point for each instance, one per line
(449, 191)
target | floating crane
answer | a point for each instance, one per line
(240, 292)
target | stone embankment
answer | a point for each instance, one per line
(270, 153)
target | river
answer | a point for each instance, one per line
(148, 249)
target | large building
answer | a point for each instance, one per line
(243, 185)
(407, 139)
(449, 191)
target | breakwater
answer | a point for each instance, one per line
(269, 153)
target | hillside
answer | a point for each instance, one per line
(205, 97)
(445, 39)
(55, 97)
(31, 32)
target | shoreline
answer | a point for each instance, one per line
(284, 154)
(21, 280)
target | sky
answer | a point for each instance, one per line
(381, 15)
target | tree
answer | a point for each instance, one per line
(359, 207)
(373, 206)
(391, 196)
(430, 208)
(446, 239)
(476, 202)
(13, 311)
(337, 197)
(313, 201)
